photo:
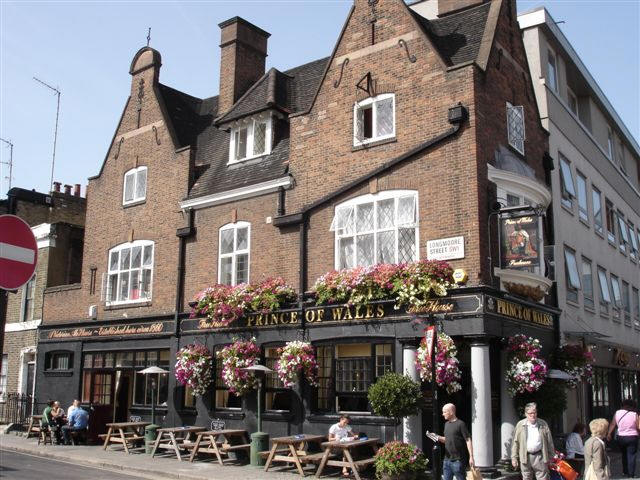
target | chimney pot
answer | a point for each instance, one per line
(67, 189)
(243, 53)
(76, 190)
(56, 186)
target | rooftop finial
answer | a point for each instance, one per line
(149, 36)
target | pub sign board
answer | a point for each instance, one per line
(317, 316)
(108, 331)
(519, 245)
(519, 312)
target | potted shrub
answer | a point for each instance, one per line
(400, 461)
(396, 396)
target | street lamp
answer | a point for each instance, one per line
(259, 439)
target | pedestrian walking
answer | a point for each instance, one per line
(457, 445)
(532, 447)
(628, 423)
(596, 461)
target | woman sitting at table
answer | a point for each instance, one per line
(57, 414)
(573, 444)
(342, 432)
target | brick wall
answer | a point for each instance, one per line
(109, 223)
(14, 343)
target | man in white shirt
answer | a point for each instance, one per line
(74, 405)
(342, 432)
(532, 446)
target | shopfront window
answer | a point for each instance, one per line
(107, 375)
(629, 385)
(277, 397)
(349, 370)
(601, 393)
(224, 398)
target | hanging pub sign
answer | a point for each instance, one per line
(429, 336)
(519, 242)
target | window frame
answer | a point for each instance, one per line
(250, 126)
(626, 301)
(598, 218)
(552, 70)
(605, 293)
(635, 301)
(583, 210)
(107, 288)
(53, 356)
(572, 98)
(28, 302)
(514, 140)
(568, 189)
(633, 237)
(135, 172)
(610, 144)
(616, 293)
(587, 293)
(375, 199)
(571, 275)
(148, 377)
(623, 232)
(373, 101)
(4, 376)
(610, 221)
(278, 386)
(235, 252)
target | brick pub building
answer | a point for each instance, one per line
(410, 132)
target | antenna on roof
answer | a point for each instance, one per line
(149, 36)
(55, 135)
(10, 162)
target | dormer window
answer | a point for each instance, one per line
(250, 139)
(135, 186)
(374, 119)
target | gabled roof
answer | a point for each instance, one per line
(288, 92)
(457, 36)
(183, 111)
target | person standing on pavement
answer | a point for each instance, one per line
(532, 447)
(628, 423)
(595, 452)
(457, 445)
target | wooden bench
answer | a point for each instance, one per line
(229, 448)
(266, 453)
(34, 426)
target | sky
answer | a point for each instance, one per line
(85, 48)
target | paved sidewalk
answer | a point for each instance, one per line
(143, 465)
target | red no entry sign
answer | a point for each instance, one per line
(18, 252)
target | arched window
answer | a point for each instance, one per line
(376, 228)
(233, 258)
(135, 185)
(130, 272)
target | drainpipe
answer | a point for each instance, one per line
(303, 268)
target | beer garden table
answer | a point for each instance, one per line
(176, 438)
(347, 448)
(125, 433)
(297, 450)
(207, 441)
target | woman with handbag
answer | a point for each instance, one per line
(596, 462)
(628, 423)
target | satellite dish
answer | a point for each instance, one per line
(153, 370)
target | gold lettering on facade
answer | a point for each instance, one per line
(379, 311)
(347, 314)
(520, 312)
(358, 315)
(369, 312)
(310, 316)
(337, 313)
(294, 317)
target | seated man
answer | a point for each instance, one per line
(78, 420)
(342, 432)
(74, 405)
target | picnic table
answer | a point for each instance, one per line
(295, 449)
(175, 439)
(126, 433)
(220, 442)
(347, 449)
(34, 426)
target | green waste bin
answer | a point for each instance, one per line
(150, 433)
(259, 443)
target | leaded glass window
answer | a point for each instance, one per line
(515, 127)
(374, 119)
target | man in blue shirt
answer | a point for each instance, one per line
(78, 420)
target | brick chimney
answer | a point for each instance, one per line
(242, 59)
(56, 186)
(449, 6)
(76, 190)
(67, 189)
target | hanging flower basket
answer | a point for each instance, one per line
(526, 371)
(240, 354)
(297, 357)
(576, 361)
(411, 284)
(223, 304)
(448, 374)
(193, 368)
